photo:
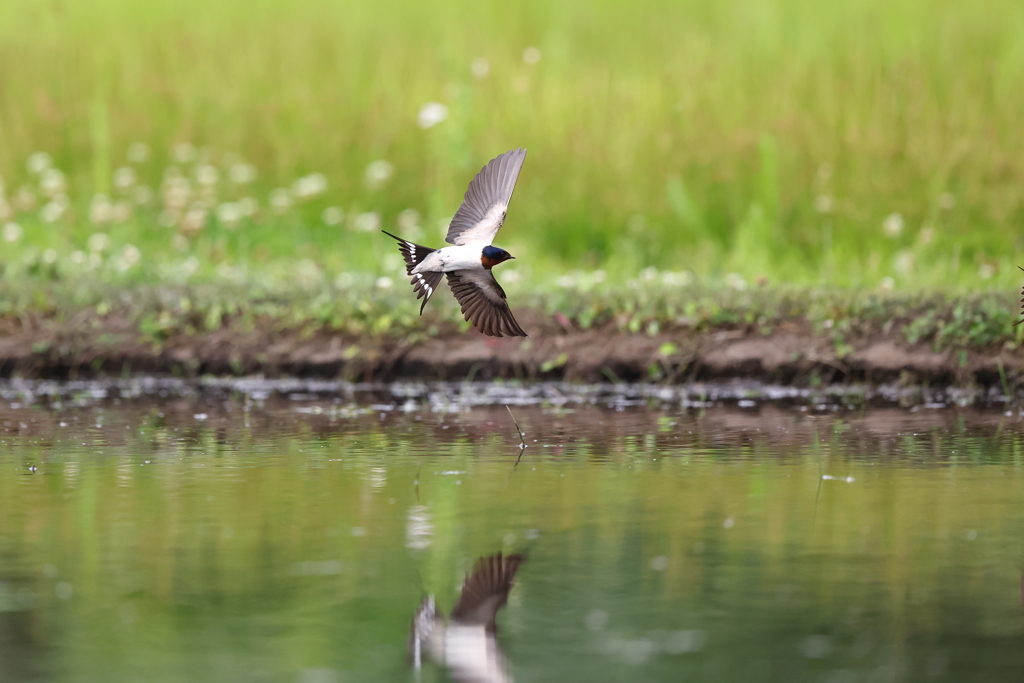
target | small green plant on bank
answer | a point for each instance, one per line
(360, 307)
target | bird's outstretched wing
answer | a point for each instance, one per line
(483, 209)
(483, 303)
(486, 590)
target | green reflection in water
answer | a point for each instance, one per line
(149, 544)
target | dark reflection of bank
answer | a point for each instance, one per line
(465, 642)
(150, 426)
(21, 648)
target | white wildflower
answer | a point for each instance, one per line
(207, 175)
(409, 219)
(229, 214)
(130, 255)
(378, 173)
(242, 174)
(893, 225)
(384, 282)
(280, 200)
(823, 203)
(904, 262)
(176, 192)
(124, 178)
(480, 68)
(189, 266)
(332, 215)
(986, 271)
(367, 222)
(531, 55)
(431, 114)
(100, 210)
(682, 278)
(98, 242)
(308, 274)
(195, 219)
(309, 186)
(51, 212)
(50, 256)
(11, 232)
(735, 281)
(52, 182)
(947, 201)
(38, 162)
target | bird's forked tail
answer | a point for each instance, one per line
(423, 284)
(411, 252)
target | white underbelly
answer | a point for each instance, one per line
(451, 258)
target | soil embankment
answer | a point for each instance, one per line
(790, 354)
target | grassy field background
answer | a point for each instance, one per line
(872, 145)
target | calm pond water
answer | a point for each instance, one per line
(150, 532)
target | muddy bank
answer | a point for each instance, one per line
(789, 354)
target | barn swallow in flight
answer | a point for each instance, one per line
(465, 642)
(468, 264)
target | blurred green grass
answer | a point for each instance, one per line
(866, 145)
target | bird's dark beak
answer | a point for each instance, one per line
(511, 256)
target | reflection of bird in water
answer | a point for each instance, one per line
(465, 643)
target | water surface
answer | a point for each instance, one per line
(288, 534)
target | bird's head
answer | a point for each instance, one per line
(492, 256)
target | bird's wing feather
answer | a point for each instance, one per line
(483, 303)
(486, 590)
(425, 284)
(483, 209)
